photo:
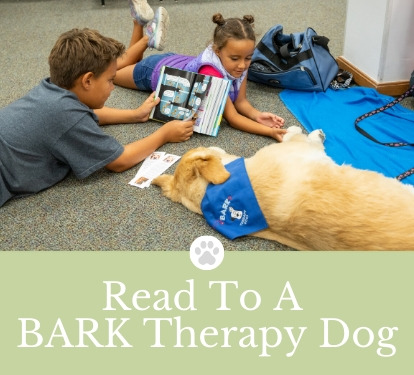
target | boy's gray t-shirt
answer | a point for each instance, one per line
(45, 135)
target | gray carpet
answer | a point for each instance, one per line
(103, 212)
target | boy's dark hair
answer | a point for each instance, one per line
(236, 28)
(77, 52)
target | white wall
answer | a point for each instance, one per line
(379, 38)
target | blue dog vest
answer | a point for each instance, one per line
(231, 208)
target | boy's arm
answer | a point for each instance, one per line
(110, 116)
(173, 131)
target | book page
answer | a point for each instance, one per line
(213, 99)
(214, 102)
(219, 104)
(185, 95)
(174, 91)
(200, 88)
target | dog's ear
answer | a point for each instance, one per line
(211, 168)
(165, 182)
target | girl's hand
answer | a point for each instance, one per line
(277, 133)
(270, 120)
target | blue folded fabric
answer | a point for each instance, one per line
(231, 208)
(335, 112)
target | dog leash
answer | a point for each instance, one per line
(409, 92)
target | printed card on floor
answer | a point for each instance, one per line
(153, 166)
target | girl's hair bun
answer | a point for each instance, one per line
(218, 19)
(249, 19)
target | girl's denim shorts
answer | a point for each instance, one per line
(143, 70)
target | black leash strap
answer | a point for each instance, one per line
(409, 92)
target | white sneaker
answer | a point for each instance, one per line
(141, 11)
(156, 29)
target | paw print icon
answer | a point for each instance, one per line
(206, 252)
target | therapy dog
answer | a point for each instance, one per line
(308, 201)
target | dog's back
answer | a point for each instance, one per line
(312, 203)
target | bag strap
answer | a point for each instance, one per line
(321, 41)
(289, 61)
(276, 59)
(285, 50)
(409, 92)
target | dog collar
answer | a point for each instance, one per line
(231, 208)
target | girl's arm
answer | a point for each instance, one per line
(243, 116)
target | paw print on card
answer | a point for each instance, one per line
(206, 252)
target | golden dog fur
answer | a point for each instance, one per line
(309, 202)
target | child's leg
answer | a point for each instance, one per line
(153, 36)
(137, 46)
(135, 52)
(137, 33)
(125, 77)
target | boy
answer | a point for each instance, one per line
(54, 129)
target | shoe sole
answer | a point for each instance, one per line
(160, 38)
(143, 10)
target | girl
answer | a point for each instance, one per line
(229, 56)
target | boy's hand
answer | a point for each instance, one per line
(178, 131)
(144, 110)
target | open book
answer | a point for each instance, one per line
(185, 95)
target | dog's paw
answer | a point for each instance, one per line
(158, 181)
(291, 132)
(294, 129)
(317, 136)
(165, 182)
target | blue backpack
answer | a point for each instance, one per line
(299, 61)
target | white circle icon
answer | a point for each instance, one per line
(206, 252)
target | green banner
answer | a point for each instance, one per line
(251, 313)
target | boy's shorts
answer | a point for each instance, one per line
(143, 70)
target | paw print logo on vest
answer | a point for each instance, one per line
(206, 252)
